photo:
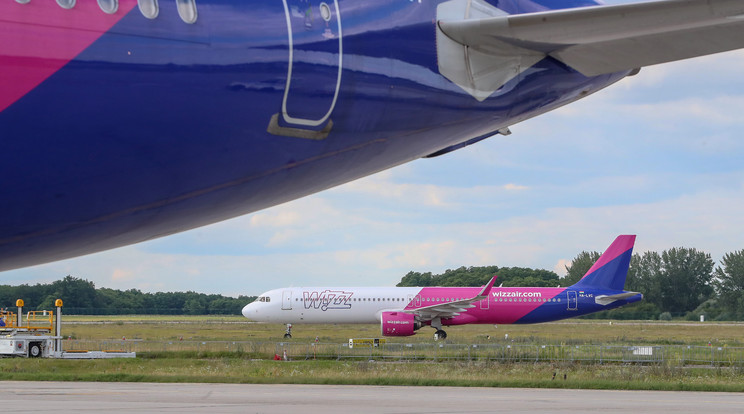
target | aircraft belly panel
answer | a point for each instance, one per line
(161, 126)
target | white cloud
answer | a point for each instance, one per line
(270, 219)
(514, 187)
(121, 275)
(560, 267)
(708, 220)
(381, 185)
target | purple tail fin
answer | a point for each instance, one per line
(610, 270)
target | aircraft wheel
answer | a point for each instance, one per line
(440, 334)
(34, 350)
(287, 336)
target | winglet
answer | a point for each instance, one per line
(487, 288)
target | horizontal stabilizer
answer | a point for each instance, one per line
(607, 299)
(606, 39)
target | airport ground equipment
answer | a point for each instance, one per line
(38, 335)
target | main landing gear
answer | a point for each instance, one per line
(288, 335)
(436, 323)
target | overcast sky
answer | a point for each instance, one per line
(659, 155)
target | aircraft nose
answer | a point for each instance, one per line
(247, 309)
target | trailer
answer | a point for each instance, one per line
(39, 336)
(25, 345)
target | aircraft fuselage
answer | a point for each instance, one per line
(119, 128)
(364, 305)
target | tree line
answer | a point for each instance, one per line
(679, 282)
(81, 297)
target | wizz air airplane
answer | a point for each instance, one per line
(126, 120)
(401, 311)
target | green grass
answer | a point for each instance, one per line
(153, 318)
(481, 374)
(237, 328)
(252, 366)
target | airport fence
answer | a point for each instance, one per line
(672, 355)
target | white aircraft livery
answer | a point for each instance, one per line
(401, 311)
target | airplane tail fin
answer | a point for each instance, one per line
(610, 270)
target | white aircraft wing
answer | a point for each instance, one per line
(605, 39)
(450, 309)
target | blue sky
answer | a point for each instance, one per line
(658, 155)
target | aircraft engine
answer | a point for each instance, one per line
(398, 324)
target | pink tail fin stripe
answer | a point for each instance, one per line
(621, 245)
(40, 37)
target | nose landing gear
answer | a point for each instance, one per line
(288, 334)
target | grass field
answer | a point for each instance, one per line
(239, 367)
(238, 370)
(236, 328)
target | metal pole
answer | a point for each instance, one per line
(19, 317)
(58, 326)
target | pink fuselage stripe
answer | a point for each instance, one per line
(515, 303)
(621, 245)
(40, 37)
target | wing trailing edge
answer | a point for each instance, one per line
(607, 39)
(453, 308)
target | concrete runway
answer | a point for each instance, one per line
(84, 397)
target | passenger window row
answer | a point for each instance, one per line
(148, 8)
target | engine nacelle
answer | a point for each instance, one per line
(398, 324)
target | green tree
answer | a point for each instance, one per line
(115, 302)
(525, 277)
(195, 306)
(228, 306)
(686, 279)
(76, 293)
(466, 276)
(578, 267)
(645, 276)
(480, 275)
(415, 279)
(81, 297)
(729, 283)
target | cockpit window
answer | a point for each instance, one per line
(263, 299)
(149, 8)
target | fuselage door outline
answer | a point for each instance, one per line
(572, 300)
(287, 300)
(328, 15)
